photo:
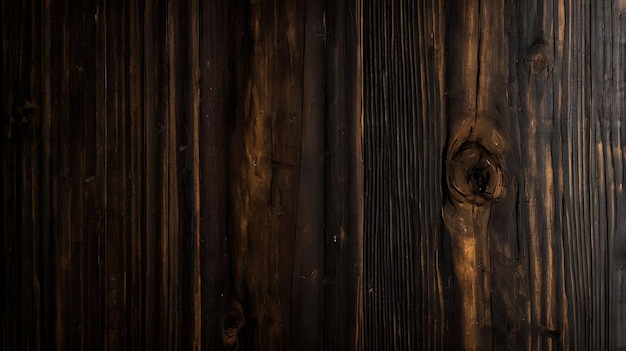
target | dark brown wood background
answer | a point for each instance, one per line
(310, 174)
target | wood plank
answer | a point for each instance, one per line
(404, 125)
(536, 101)
(76, 173)
(21, 100)
(136, 241)
(216, 95)
(607, 105)
(616, 19)
(189, 95)
(8, 198)
(308, 263)
(269, 87)
(171, 191)
(156, 316)
(61, 184)
(47, 299)
(114, 251)
(343, 197)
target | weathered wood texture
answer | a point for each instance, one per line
(309, 174)
(180, 175)
(494, 213)
(404, 134)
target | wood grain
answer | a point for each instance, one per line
(311, 174)
(404, 136)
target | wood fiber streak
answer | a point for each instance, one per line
(26, 319)
(538, 98)
(153, 134)
(216, 98)
(137, 224)
(343, 188)
(403, 141)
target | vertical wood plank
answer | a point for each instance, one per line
(540, 171)
(343, 197)
(92, 174)
(76, 156)
(404, 129)
(21, 98)
(192, 167)
(606, 161)
(136, 241)
(264, 189)
(156, 316)
(47, 290)
(216, 94)
(617, 234)
(170, 193)
(61, 184)
(308, 263)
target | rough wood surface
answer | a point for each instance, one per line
(509, 118)
(404, 132)
(308, 174)
(166, 175)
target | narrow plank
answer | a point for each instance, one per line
(466, 237)
(216, 95)
(115, 253)
(576, 202)
(77, 149)
(187, 117)
(495, 130)
(434, 266)
(20, 98)
(617, 235)
(156, 315)
(96, 330)
(136, 241)
(61, 197)
(170, 193)
(342, 194)
(193, 163)
(32, 115)
(269, 83)
(47, 298)
(607, 162)
(308, 266)
(403, 130)
(467, 204)
(91, 177)
(8, 207)
(286, 149)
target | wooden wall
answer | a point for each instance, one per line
(311, 174)
(180, 175)
(494, 151)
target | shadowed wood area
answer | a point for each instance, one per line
(166, 174)
(313, 175)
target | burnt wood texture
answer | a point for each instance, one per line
(313, 175)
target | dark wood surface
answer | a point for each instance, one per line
(285, 175)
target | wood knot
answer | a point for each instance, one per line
(25, 111)
(232, 322)
(539, 57)
(474, 175)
